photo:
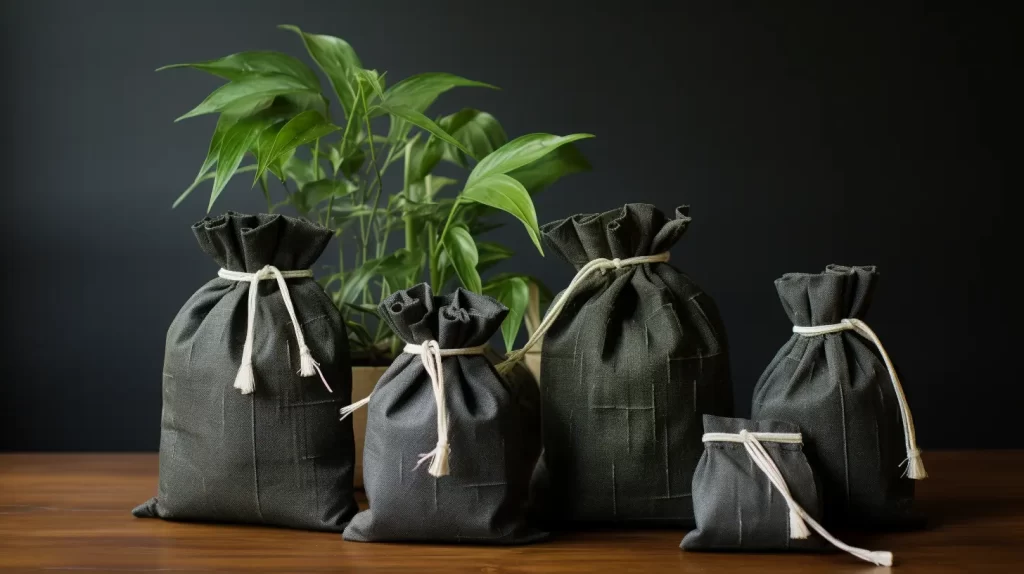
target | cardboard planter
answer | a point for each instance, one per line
(363, 381)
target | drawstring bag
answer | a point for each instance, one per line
(450, 443)
(634, 353)
(834, 379)
(753, 490)
(255, 369)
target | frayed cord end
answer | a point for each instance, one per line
(346, 411)
(797, 526)
(245, 380)
(879, 557)
(915, 466)
(307, 366)
(438, 460)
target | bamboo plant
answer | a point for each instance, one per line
(322, 148)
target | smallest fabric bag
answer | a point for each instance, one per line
(753, 490)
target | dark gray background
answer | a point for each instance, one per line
(800, 134)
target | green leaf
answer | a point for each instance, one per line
(478, 131)
(373, 83)
(362, 335)
(419, 91)
(502, 192)
(236, 142)
(244, 64)
(395, 268)
(337, 59)
(322, 189)
(350, 165)
(547, 170)
(423, 158)
(299, 170)
(434, 183)
(400, 267)
(416, 118)
(363, 309)
(342, 215)
(519, 152)
(247, 90)
(490, 254)
(461, 250)
(545, 293)
(514, 293)
(206, 177)
(263, 148)
(301, 129)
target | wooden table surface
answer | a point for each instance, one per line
(71, 512)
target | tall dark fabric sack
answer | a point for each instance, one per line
(278, 455)
(754, 491)
(630, 363)
(480, 493)
(833, 381)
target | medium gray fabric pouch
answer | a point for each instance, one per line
(464, 478)
(629, 365)
(754, 490)
(244, 436)
(835, 380)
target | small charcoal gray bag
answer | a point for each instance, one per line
(250, 430)
(450, 443)
(634, 352)
(754, 491)
(835, 380)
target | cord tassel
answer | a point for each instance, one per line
(245, 380)
(430, 355)
(797, 526)
(915, 466)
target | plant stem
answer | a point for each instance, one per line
(316, 160)
(411, 241)
(380, 183)
(447, 224)
(435, 273)
(266, 193)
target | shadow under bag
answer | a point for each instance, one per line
(450, 443)
(249, 430)
(834, 379)
(754, 491)
(635, 352)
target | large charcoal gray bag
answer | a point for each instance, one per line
(754, 491)
(634, 352)
(450, 443)
(250, 430)
(835, 380)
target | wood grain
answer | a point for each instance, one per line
(71, 512)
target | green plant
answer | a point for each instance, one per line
(273, 110)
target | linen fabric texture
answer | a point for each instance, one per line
(494, 431)
(278, 456)
(628, 368)
(735, 504)
(837, 389)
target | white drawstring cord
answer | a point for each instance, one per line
(245, 379)
(599, 264)
(915, 466)
(798, 517)
(430, 354)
